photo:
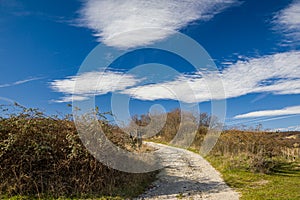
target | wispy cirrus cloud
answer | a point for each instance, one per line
(82, 86)
(109, 18)
(293, 110)
(289, 128)
(256, 120)
(273, 74)
(19, 82)
(288, 21)
(70, 98)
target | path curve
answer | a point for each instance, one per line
(186, 175)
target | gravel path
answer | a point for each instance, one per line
(186, 175)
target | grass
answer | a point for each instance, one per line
(126, 192)
(42, 157)
(282, 183)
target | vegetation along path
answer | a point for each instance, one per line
(186, 175)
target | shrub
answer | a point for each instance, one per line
(262, 150)
(43, 156)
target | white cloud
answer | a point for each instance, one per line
(227, 63)
(290, 128)
(92, 83)
(294, 110)
(70, 98)
(109, 18)
(19, 82)
(255, 120)
(276, 74)
(288, 20)
(189, 89)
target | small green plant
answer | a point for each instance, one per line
(179, 196)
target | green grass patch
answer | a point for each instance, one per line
(282, 183)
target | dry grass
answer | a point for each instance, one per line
(258, 164)
(258, 151)
(42, 156)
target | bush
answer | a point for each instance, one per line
(258, 151)
(43, 156)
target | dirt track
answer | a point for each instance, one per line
(187, 175)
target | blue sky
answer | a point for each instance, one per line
(254, 44)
